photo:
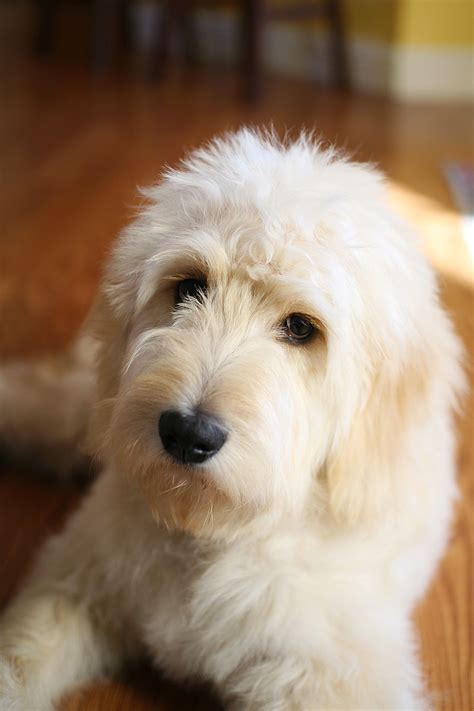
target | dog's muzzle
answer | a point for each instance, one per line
(191, 438)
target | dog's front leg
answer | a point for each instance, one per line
(67, 625)
(374, 671)
(292, 684)
(49, 644)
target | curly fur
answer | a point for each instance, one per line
(284, 569)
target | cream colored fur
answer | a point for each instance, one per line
(285, 568)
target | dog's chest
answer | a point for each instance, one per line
(167, 602)
(205, 609)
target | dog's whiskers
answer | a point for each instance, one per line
(209, 516)
(174, 488)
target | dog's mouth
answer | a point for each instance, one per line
(187, 497)
(185, 475)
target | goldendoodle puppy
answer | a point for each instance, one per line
(273, 413)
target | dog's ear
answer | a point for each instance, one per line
(126, 285)
(361, 471)
(110, 333)
(109, 320)
(393, 425)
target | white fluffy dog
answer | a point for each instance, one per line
(275, 388)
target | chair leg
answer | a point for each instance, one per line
(189, 35)
(124, 21)
(252, 31)
(104, 19)
(338, 45)
(45, 22)
(160, 58)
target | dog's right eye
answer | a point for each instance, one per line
(298, 328)
(190, 289)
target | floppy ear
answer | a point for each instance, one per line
(410, 406)
(362, 472)
(110, 333)
(109, 321)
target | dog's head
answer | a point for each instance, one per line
(269, 335)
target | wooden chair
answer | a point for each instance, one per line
(254, 16)
(177, 15)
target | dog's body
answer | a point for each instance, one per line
(276, 382)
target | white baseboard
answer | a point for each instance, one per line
(404, 72)
(426, 73)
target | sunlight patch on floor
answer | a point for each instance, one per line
(440, 229)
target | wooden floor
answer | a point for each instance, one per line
(73, 150)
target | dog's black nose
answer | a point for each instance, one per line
(191, 438)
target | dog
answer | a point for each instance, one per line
(272, 408)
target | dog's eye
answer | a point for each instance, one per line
(190, 289)
(298, 328)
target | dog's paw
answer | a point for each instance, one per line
(16, 693)
(13, 696)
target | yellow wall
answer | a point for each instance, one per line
(448, 23)
(445, 23)
(371, 19)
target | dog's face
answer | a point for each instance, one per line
(223, 384)
(257, 327)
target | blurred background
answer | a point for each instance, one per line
(97, 96)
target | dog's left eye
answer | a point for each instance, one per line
(297, 327)
(190, 289)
